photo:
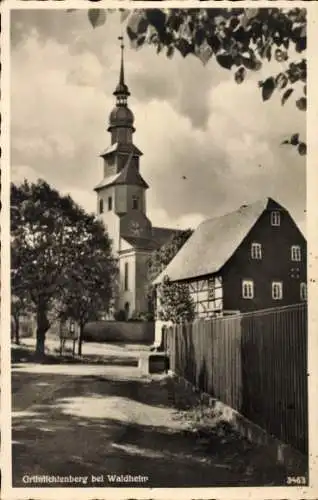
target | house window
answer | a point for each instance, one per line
(126, 277)
(303, 291)
(248, 289)
(110, 203)
(296, 253)
(101, 206)
(135, 202)
(275, 218)
(277, 290)
(256, 251)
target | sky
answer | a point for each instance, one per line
(191, 121)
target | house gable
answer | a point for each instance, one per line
(213, 243)
(273, 264)
(220, 250)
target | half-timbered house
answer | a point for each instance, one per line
(253, 258)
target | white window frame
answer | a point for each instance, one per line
(295, 253)
(256, 251)
(277, 285)
(275, 218)
(248, 289)
(303, 291)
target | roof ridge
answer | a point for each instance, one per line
(168, 228)
(232, 212)
(128, 163)
(108, 180)
(218, 238)
(113, 147)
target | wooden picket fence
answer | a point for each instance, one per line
(254, 362)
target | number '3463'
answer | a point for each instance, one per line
(296, 480)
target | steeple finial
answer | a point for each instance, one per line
(121, 91)
(122, 47)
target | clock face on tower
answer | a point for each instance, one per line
(135, 228)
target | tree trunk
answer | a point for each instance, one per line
(16, 330)
(40, 342)
(42, 327)
(80, 340)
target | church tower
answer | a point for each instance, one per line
(121, 201)
(121, 195)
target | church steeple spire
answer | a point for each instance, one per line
(121, 91)
(121, 119)
(122, 75)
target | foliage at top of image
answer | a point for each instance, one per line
(239, 40)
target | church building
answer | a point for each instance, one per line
(121, 204)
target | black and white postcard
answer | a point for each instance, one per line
(159, 250)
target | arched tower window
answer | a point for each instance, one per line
(127, 309)
(135, 202)
(110, 203)
(126, 277)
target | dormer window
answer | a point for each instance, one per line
(256, 251)
(101, 206)
(135, 202)
(295, 253)
(275, 218)
(110, 203)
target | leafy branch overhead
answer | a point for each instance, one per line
(240, 40)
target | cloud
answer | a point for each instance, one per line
(190, 220)
(209, 144)
(82, 197)
(20, 173)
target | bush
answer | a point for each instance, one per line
(141, 316)
(120, 315)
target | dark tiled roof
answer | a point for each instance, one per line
(160, 236)
(163, 234)
(127, 148)
(141, 243)
(130, 175)
(108, 181)
(214, 242)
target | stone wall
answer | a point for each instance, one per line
(139, 332)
